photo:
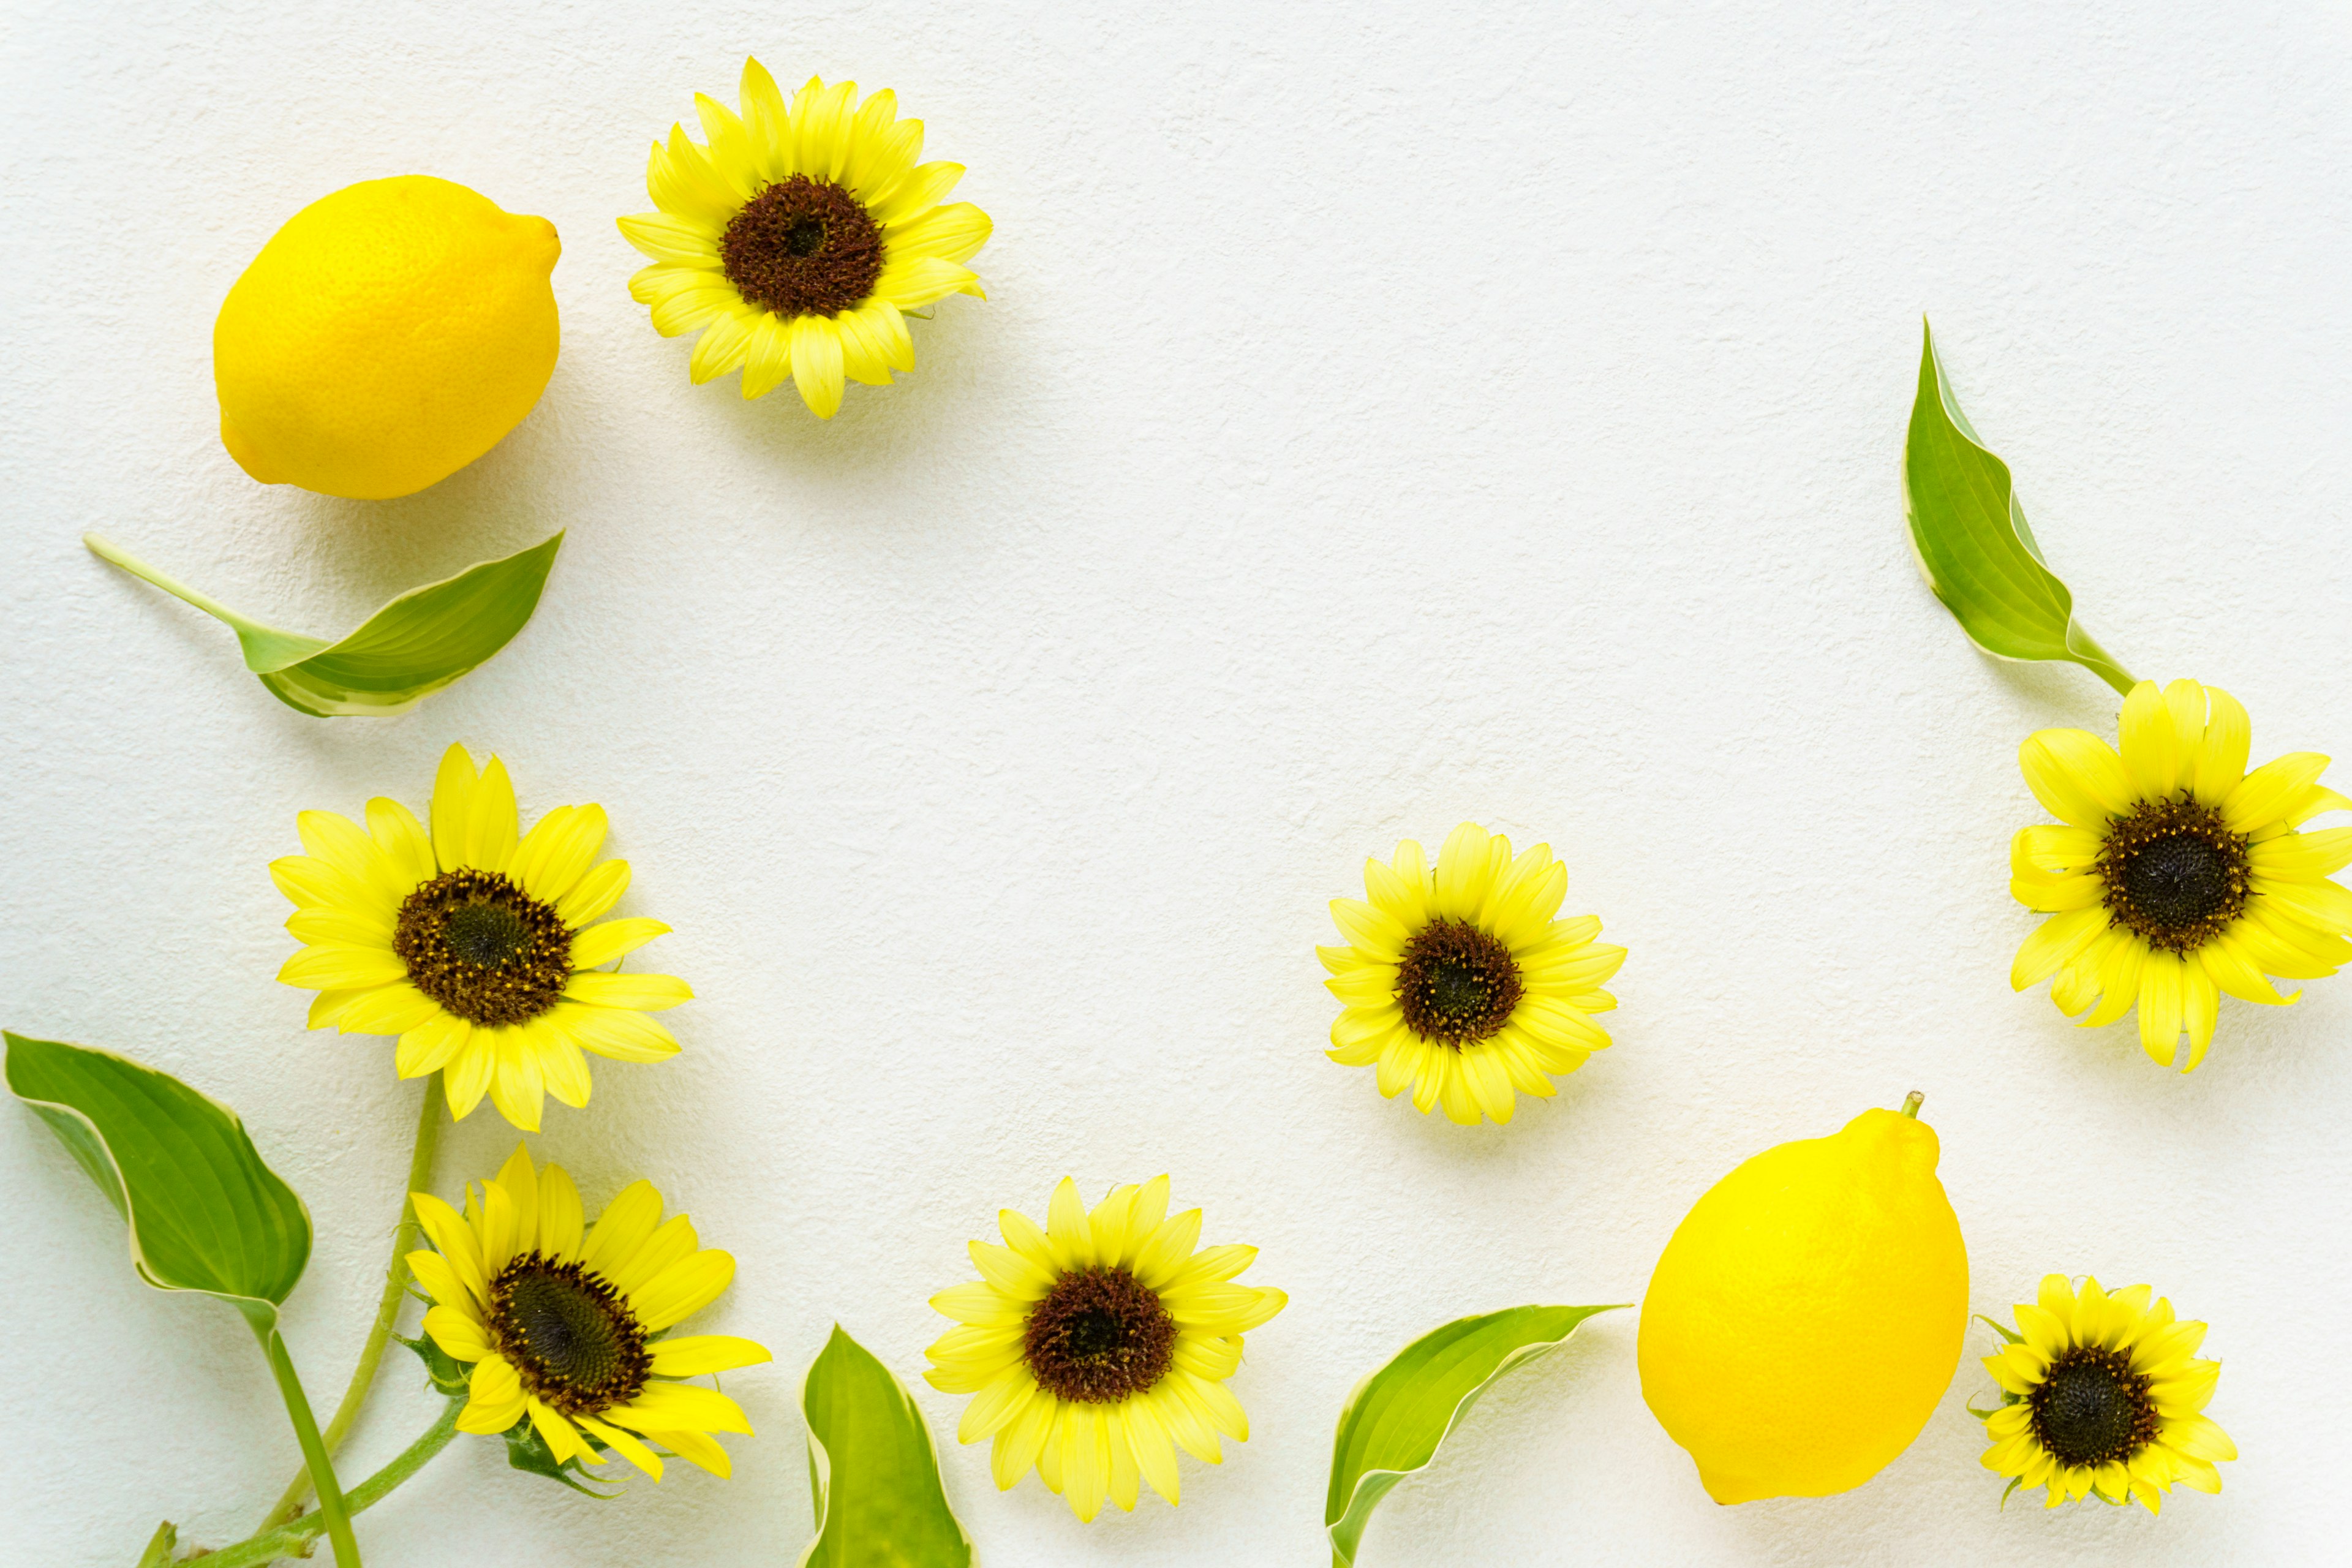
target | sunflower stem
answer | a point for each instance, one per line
(1912, 1102)
(405, 1236)
(290, 1540)
(331, 1507)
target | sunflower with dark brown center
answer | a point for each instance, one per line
(1099, 1337)
(1099, 1344)
(2102, 1394)
(481, 946)
(2177, 875)
(566, 1326)
(799, 238)
(1460, 983)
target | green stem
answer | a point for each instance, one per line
(108, 550)
(404, 1239)
(288, 1540)
(314, 1452)
(1912, 1102)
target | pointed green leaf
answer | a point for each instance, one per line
(160, 1546)
(414, 646)
(1397, 1417)
(203, 1211)
(1972, 542)
(444, 1371)
(872, 1469)
(527, 1451)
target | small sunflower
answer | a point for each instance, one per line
(1095, 1343)
(474, 946)
(1459, 983)
(798, 239)
(2101, 1395)
(2177, 875)
(565, 1328)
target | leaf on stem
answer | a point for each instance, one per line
(446, 1374)
(203, 1212)
(421, 641)
(873, 1470)
(1396, 1419)
(160, 1546)
(527, 1451)
(1972, 543)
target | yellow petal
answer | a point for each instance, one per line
(644, 992)
(622, 1229)
(680, 1407)
(699, 1353)
(614, 1032)
(453, 797)
(608, 940)
(2262, 797)
(2075, 776)
(2151, 742)
(815, 347)
(682, 1289)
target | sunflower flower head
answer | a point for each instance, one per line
(2103, 1395)
(2173, 874)
(1098, 1345)
(1458, 983)
(797, 237)
(480, 947)
(567, 1326)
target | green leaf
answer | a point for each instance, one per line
(2003, 1329)
(1396, 1419)
(527, 1451)
(203, 1212)
(160, 1546)
(445, 1371)
(414, 646)
(873, 1472)
(1972, 542)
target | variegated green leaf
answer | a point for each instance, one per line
(1972, 542)
(414, 646)
(873, 1470)
(1396, 1419)
(203, 1212)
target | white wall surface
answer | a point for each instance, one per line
(1380, 417)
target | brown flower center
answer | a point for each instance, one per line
(1457, 984)
(2092, 1408)
(802, 248)
(483, 948)
(2173, 872)
(1099, 1337)
(572, 1339)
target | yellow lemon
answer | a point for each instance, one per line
(1808, 1313)
(387, 336)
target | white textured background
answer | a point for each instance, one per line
(1379, 419)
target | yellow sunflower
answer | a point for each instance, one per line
(798, 239)
(1459, 983)
(474, 946)
(2101, 1395)
(565, 1328)
(2176, 874)
(1095, 1344)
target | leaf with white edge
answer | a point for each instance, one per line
(203, 1212)
(873, 1470)
(421, 641)
(1972, 543)
(1395, 1421)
